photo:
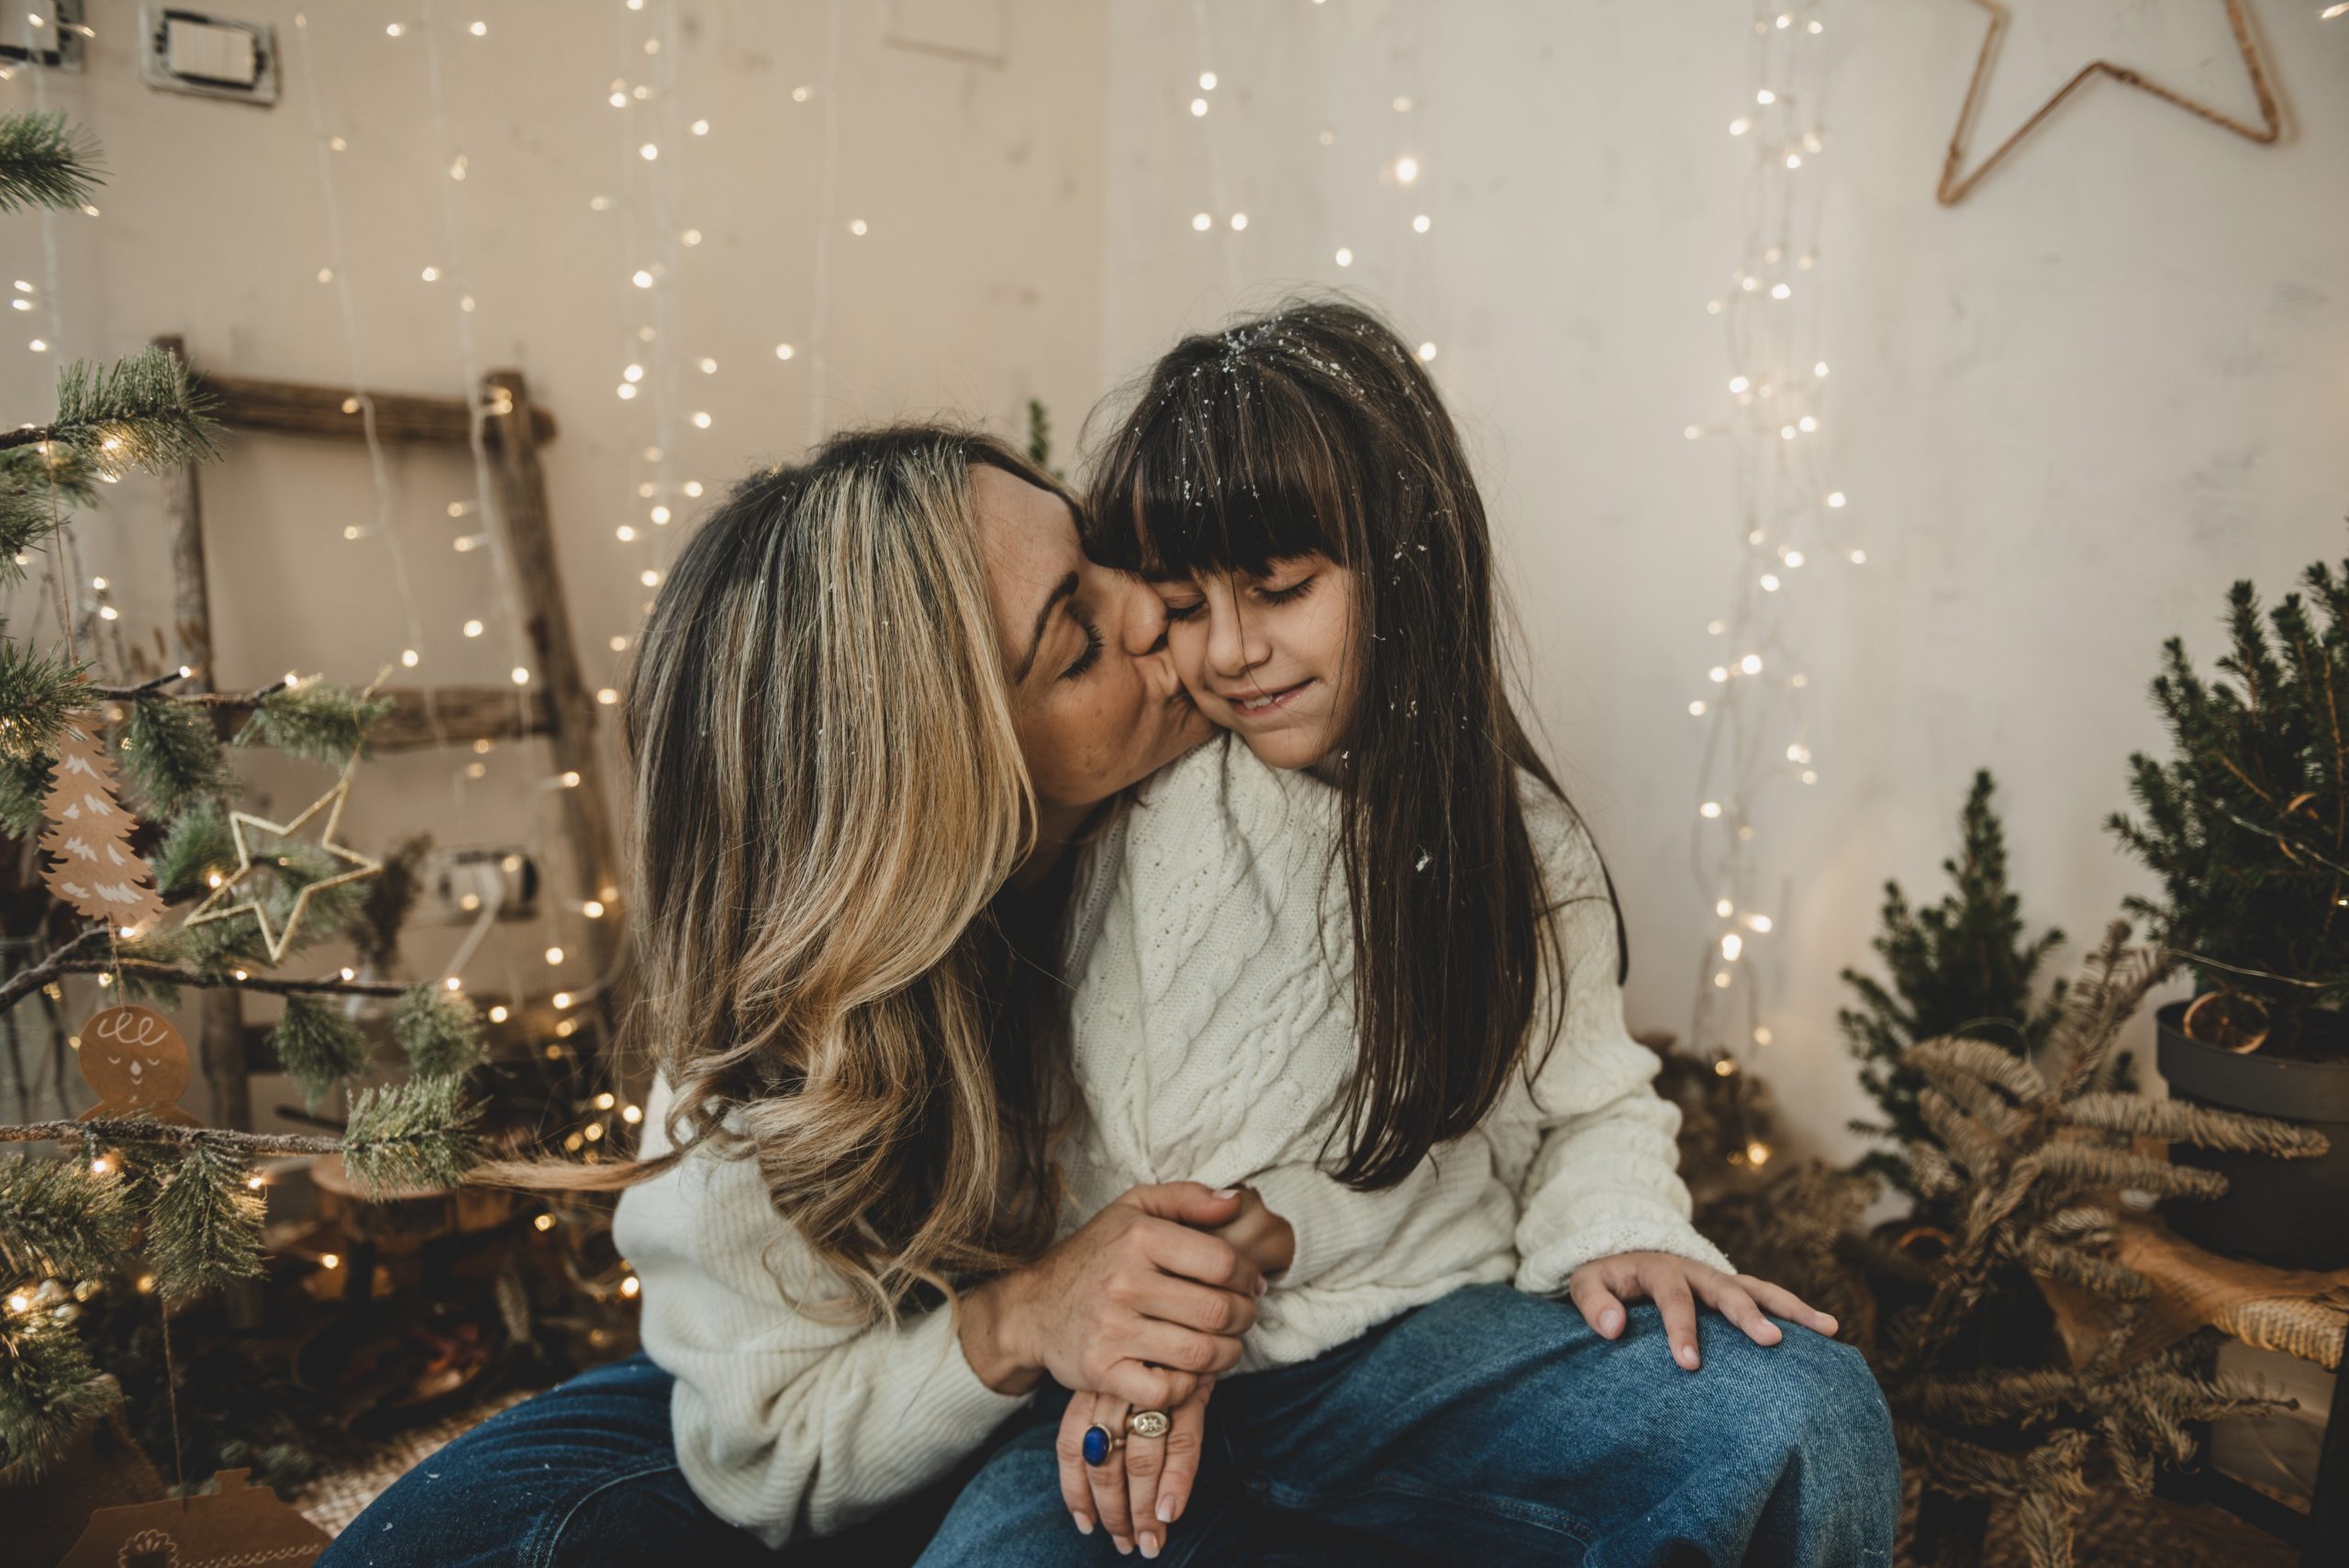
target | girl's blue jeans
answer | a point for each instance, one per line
(1489, 1428)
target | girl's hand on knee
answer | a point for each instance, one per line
(1600, 1287)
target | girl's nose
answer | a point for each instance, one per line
(1229, 650)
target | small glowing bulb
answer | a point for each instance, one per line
(783, 350)
(1709, 809)
(1696, 709)
(593, 908)
(101, 1166)
(1722, 907)
(329, 1260)
(1780, 291)
(1740, 126)
(1765, 96)
(641, 279)
(1794, 160)
(633, 372)
(631, 1114)
(521, 675)
(1751, 664)
(473, 629)
(629, 1287)
(1859, 557)
(479, 29)
(409, 657)
(1427, 352)
(1407, 170)
(394, 31)
(607, 696)
(554, 955)
(1805, 424)
(1819, 370)
(856, 226)
(1731, 946)
(1762, 1035)
(431, 274)
(701, 128)
(1206, 80)
(1239, 221)
(707, 367)
(1758, 1152)
(701, 421)
(624, 533)
(691, 237)
(544, 1222)
(500, 1013)
(648, 577)
(606, 1101)
(254, 1184)
(649, 152)
(1718, 675)
(1421, 224)
(1345, 257)
(1202, 222)
(1725, 1068)
(1836, 498)
(1199, 107)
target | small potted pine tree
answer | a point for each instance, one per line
(2248, 829)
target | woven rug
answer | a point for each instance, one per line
(333, 1501)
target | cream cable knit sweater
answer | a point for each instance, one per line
(1213, 1033)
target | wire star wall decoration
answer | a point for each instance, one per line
(1953, 189)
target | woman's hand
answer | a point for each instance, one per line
(1140, 1304)
(1145, 1482)
(1601, 1286)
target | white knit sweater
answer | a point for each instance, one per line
(1213, 1031)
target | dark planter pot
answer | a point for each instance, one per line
(2291, 1213)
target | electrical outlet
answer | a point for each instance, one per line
(207, 55)
(461, 883)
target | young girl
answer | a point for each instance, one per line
(1362, 956)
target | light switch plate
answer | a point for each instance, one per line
(207, 55)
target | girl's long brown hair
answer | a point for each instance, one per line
(828, 796)
(1314, 429)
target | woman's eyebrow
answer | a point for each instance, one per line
(1061, 590)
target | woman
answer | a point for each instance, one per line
(851, 672)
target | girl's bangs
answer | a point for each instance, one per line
(1230, 470)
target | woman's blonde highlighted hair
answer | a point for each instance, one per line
(828, 792)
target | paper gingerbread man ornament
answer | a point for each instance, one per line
(137, 1063)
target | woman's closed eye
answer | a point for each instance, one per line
(1177, 613)
(1084, 661)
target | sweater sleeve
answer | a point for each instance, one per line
(1606, 1178)
(786, 1423)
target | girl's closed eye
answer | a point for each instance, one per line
(1290, 594)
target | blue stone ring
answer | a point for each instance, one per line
(1099, 1444)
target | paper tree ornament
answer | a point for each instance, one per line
(238, 1524)
(238, 821)
(95, 868)
(135, 1063)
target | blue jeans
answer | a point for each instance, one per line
(1496, 1427)
(1489, 1427)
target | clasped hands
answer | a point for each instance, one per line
(1144, 1306)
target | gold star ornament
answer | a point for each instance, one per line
(238, 821)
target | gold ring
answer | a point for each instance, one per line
(1148, 1424)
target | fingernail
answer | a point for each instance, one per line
(1687, 1354)
(1125, 1547)
(1150, 1546)
(1609, 1320)
(1083, 1525)
(1166, 1510)
(1262, 1284)
(1229, 1192)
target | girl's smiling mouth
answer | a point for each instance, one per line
(1267, 702)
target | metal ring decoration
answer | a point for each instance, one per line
(1099, 1444)
(1149, 1424)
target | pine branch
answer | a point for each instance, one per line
(204, 1229)
(439, 1030)
(43, 164)
(174, 758)
(142, 412)
(325, 724)
(413, 1134)
(2185, 1121)
(55, 1220)
(48, 1387)
(320, 1050)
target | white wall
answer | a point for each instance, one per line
(2068, 411)
(975, 287)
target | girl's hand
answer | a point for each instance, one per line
(1260, 1234)
(1145, 1484)
(1601, 1286)
(1141, 1303)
